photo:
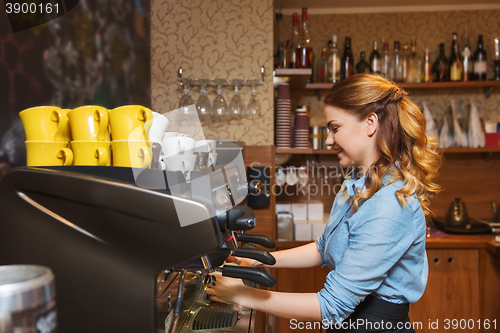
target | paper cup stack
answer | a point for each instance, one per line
(301, 127)
(283, 116)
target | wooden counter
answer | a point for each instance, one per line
(463, 242)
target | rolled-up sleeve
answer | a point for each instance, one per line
(379, 235)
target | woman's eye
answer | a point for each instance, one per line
(334, 129)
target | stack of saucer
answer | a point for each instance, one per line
(283, 116)
(301, 127)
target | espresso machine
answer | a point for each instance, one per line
(133, 250)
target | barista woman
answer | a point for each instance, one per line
(374, 242)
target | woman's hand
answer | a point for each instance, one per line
(226, 290)
(243, 261)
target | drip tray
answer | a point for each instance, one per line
(213, 319)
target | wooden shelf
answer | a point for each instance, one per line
(332, 152)
(461, 84)
(296, 77)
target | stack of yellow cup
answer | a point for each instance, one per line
(129, 126)
(47, 136)
(89, 129)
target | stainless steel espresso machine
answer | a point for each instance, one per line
(132, 249)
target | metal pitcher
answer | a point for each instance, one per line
(457, 213)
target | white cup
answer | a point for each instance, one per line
(177, 145)
(169, 135)
(155, 136)
(159, 124)
(291, 176)
(280, 177)
(205, 146)
(212, 159)
(183, 163)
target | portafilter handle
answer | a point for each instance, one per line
(255, 274)
(262, 240)
(257, 254)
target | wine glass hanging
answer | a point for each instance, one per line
(219, 107)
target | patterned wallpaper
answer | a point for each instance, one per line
(214, 39)
(430, 29)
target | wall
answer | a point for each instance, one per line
(430, 29)
(214, 39)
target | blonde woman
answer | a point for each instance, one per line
(374, 242)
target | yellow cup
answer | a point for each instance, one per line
(135, 154)
(130, 122)
(48, 153)
(89, 123)
(46, 123)
(91, 152)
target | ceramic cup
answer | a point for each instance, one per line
(91, 152)
(177, 145)
(183, 163)
(207, 146)
(48, 153)
(130, 122)
(89, 123)
(46, 123)
(130, 153)
(159, 125)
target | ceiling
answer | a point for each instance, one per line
(362, 6)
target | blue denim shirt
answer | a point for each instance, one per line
(379, 250)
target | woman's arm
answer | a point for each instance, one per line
(300, 306)
(299, 257)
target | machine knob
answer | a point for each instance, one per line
(240, 218)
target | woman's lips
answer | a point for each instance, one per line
(339, 151)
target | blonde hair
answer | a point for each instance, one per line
(407, 154)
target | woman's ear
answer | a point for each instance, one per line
(372, 124)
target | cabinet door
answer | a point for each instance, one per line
(307, 280)
(452, 293)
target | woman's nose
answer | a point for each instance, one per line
(329, 139)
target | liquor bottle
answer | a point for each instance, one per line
(375, 59)
(304, 49)
(347, 67)
(467, 58)
(456, 67)
(386, 69)
(414, 64)
(479, 67)
(397, 65)
(322, 68)
(497, 59)
(291, 52)
(440, 68)
(363, 66)
(427, 67)
(333, 61)
(404, 63)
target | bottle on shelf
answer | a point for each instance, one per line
(404, 63)
(375, 59)
(304, 48)
(333, 61)
(363, 66)
(322, 68)
(347, 67)
(479, 67)
(427, 67)
(496, 63)
(467, 58)
(456, 66)
(280, 57)
(397, 65)
(387, 69)
(291, 52)
(440, 68)
(414, 64)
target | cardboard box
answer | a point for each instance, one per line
(493, 139)
(317, 230)
(315, 210)
(303, 232)
(299, 211)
